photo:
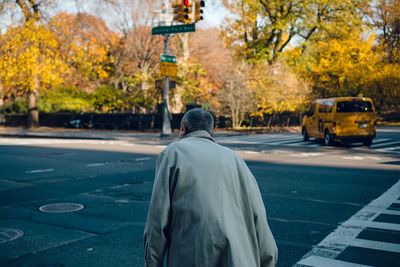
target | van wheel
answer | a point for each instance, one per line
(327, 138)
(305, 134)
(367, 142)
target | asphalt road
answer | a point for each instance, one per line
(309, 191)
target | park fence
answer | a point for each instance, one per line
(139, 122)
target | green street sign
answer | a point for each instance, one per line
(168, 58)
(173, 29)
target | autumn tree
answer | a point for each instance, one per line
(208, 49)
(341, 67)
(136, 57)
(85, 43)
(30, 59)
(262, 29)
(277, 89)
(236, 95)
(387, 21)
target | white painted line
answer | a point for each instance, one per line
(384, 144)
(252, 152)
(287, 142)
(378, 142)
(326, 262)
(128, 145)
(39, 171)
(363, 243)
(96, 164)
(353, 158)
(312, 144)
(373, 158)
(142, 159)
(391, 212)
(347, 233)
(306, 155)
(161, 146)
(392, 148)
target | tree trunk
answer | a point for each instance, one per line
(33, 113)
(185, 46)
(1, 96)
(2, 116)
(270, 121)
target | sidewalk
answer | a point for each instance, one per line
(63, 133)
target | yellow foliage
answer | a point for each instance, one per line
(29, 59)
(343, 66)
(277, 89)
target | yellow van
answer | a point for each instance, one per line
(345, 119)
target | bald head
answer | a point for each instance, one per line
(197, 119)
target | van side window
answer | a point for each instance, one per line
(354, 106)
(325, 106)
(311, 110)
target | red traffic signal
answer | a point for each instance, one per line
(187, 2)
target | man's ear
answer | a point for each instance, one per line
(183, 130)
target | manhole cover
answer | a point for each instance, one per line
(61, 207)
(7, 235)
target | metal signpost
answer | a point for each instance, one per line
(183, 13)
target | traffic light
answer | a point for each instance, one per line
(188, 13)
(199, 4)
(182, 11)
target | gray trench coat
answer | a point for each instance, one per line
(206, 209)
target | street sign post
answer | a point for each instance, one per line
(173, 29)
(168, 58)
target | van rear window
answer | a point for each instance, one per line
(354, 106)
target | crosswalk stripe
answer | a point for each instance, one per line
(381, 140)
(371, 244)
(285, 142)
(391, 212)
(392, 148)
(385, 144)
(346, 234)
(318, 261)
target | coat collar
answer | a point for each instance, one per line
(199, 134)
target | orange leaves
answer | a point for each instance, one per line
(85, 42)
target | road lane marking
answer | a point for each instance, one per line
(380, 140)
(391, 148)
(353, 158)
(143, 159)
(391, 212)
(346, 234)
(287, 142)
(252, 152)
(384, 144)
(39, 171)
(128, 145)
(326, 262)
(371, 244)
(306, 154)
(97, 164)
(373, 158)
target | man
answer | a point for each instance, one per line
(206, 209)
